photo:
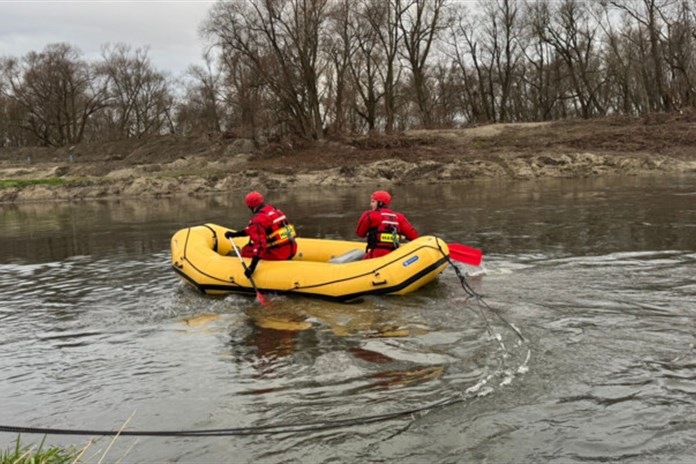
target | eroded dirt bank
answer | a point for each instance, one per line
(170, 165)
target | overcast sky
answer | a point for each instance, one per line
(169, 28)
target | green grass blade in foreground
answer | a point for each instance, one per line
(29, 454)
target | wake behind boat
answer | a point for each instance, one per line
(205, 259)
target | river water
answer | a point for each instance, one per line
(598, 276)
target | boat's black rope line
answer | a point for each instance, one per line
(479, 299)
(240, 431)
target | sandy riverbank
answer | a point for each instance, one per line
(171, 165)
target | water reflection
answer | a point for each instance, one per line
(499, 217)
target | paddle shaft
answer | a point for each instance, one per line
(260, 297)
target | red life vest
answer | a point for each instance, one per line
(280, 232)
(386, 234)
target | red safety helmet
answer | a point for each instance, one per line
(382, 197)
(253, 199)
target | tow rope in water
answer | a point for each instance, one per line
(241, 431)
(479, 298)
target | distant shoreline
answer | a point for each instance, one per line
(166, 166)
(132, 184)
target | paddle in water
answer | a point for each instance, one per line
(260, 297)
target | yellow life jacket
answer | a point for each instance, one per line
(280, 232)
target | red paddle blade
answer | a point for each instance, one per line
(465, 254)
(261, 299)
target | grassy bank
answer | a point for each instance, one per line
(41, 454)
(53, 182)
(20, 183)
(31, 454)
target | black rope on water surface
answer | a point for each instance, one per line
(241, 431)
(479, 299)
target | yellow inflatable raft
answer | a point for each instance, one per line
(204, 258)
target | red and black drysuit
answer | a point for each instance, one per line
(382, 228)
(272, 237)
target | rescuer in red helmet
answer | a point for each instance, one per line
(271, 236)
(382, 226)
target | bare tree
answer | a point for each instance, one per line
(446, 88)
(339, 48)
(368, 62)
(5, 126)
(573, 35)
(384, 17)
(544, 77)
(680, 52)
(650, 19)
(57, 91)
(622, 62)
(420, 23)
(279, 40)
(201, 110)
(313, 67)
(139, 96)
(477, 104)
(498, 47)
(506, 49)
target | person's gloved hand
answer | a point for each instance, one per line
(252, 267)
(239, 233)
